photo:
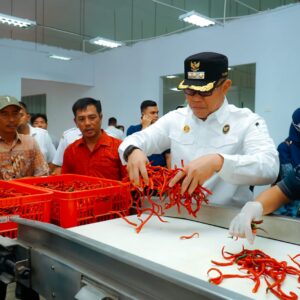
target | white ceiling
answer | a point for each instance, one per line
(70, 24)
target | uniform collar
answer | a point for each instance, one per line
(220, 115)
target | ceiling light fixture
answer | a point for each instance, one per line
(171, 76)
(60, 57)
(195, 18)
(105, 42)
(15, 21)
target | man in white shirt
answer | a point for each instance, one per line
(112, 130)
(69, 136)
(224, 148)
(41, 135)
(41, 121)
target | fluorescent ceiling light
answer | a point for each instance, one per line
(60, 57)
(105, 42)
(195, 18)
(15, 21)
(171, 76)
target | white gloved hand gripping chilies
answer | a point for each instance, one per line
(240, 226)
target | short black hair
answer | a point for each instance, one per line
(146, 104)
(23, 105)
(81, 104)
(36, 116)
(112, 121)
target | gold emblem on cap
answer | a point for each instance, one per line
(226, 128)
(186, 128)
(195, 65)
(203, 88)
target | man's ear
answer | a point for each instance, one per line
(226, 86)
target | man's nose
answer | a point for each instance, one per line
(12, 118)
(87, 121)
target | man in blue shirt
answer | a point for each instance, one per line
(149, 115)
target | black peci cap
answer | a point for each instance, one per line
(203, 70)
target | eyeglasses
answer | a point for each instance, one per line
(296, 126)
(191, 92)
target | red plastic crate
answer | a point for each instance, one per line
(76, 208)
(34, 206)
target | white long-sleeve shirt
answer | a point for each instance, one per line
(239, 135)
(44, 141)
(69, 136)
(114, 132)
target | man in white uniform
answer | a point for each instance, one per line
(40, 135)
(223, 147)
(69, 136)
(112, 130)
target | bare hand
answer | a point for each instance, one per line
(146, 121)
(197, 172)
(136, 166)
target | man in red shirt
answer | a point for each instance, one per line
(96, 153)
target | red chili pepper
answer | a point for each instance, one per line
(294, 259)
(222, 264)
(187, 237)
(254, 226)
(123, 217)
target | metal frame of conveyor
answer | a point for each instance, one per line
(60, 264)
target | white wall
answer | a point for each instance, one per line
(26, 60)
(123, 77)
(59, 100)
(26, 69)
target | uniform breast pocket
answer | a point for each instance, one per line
(228, 145)
(182, 148)
(182, 138)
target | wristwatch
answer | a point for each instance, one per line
(128, 151)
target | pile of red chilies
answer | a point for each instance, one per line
(75, 185)
(7, 193)
(159, 179)
(256, 264)
(9, 208)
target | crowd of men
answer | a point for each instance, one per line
(223, 147)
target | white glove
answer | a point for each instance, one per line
(240, 226)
